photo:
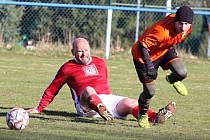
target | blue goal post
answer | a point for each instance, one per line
(121, 8)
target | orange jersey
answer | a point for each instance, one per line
(159, 38)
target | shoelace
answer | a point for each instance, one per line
(167, 113)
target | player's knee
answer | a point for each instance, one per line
(87, 91)
(182, 74)
(128, 103)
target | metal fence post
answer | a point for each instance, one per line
(108, 31)
(137, 21)
(208, 52)
(168, 6)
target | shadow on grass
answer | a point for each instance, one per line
(59, 113)
(51, 115)
(46, 112)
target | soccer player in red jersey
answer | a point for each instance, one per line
(154, 48)
(87, 79)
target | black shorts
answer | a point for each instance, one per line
(162, 61)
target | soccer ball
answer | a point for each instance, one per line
(17, 118)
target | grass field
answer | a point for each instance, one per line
(23, 77)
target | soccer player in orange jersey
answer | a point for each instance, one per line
(87, 78)
(154, 48)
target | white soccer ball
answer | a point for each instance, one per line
(17, 118)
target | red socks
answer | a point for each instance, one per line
(150, 112)
(93, 101)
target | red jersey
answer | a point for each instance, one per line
(77, 77)
(159, 38)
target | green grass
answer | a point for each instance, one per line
(23, 78)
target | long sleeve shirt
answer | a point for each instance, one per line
(159, 38)
(77, 77)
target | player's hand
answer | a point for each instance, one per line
(32, 110)
(152, 72)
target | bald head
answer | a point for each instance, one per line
(78, 42)
(81, 50)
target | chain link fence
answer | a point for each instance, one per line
(25, 26)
